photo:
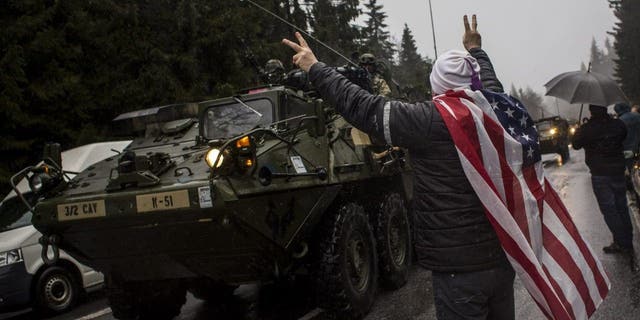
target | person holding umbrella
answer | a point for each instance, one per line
(602, 139)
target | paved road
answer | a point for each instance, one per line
(414, 301)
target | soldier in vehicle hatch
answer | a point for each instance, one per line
(380, 87)
(274, 72)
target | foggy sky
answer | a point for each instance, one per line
(529, 42)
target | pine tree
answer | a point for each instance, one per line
(333, 22)
(375, 36)
(413, 71)
(627, 46)
(297, 15)
(532, 100)
(71, 66)
(596, 57)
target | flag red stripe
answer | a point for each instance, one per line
(466, 125)
(512, 248)
(531, 178)
(553, 200)
(562, 256)
(511, 183)
(558, 290)
(463, 143)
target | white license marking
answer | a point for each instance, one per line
(298, 165)
(204, 196)
(81, 210)
(162, 201)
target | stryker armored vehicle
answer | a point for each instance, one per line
(265, 185)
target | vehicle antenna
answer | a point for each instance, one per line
(302, 31)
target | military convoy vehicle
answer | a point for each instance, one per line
(554, 133)
(267, 185)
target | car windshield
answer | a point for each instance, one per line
(544, 125)
(14, 214)
(230, 120)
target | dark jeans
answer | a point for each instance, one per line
(611, 194)
(486, 294)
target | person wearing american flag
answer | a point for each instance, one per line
(483, 209)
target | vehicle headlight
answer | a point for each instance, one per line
(572, 130)
(211, 157)
(38, 181)
(553, 131)
(10, 257)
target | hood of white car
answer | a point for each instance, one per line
(16, 238)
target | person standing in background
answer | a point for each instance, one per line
(602, 138)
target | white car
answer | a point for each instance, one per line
(25, 280)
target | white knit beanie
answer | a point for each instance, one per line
(453, 70)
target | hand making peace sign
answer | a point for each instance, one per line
(471, 38)
(304, 57)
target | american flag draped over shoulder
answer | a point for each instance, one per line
(498, 146)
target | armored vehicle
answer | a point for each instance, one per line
(265, 185)
(554, 135)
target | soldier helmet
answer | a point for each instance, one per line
(274, 66)
(367, 59)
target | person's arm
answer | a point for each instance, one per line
(487, 73)
(472, 41)
(398, 123)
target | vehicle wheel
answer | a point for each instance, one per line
(347, 266)
(146, 300)
(564, 154)
(56, 291)
(393, 240)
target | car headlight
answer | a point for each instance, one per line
(211, 157)
(38, 181)
(10, 257)
(553, 131)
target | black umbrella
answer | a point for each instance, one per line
(585, 87)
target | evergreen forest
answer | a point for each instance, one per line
(70, 66)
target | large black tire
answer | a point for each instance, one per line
(347, 268)
(393, 240)
(160, 300)
(56, 290)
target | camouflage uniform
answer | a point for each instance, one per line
(380, 86)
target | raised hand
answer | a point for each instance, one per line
(304, 57)
(471, 38)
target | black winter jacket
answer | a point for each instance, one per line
(452, 233)
(602, 139)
